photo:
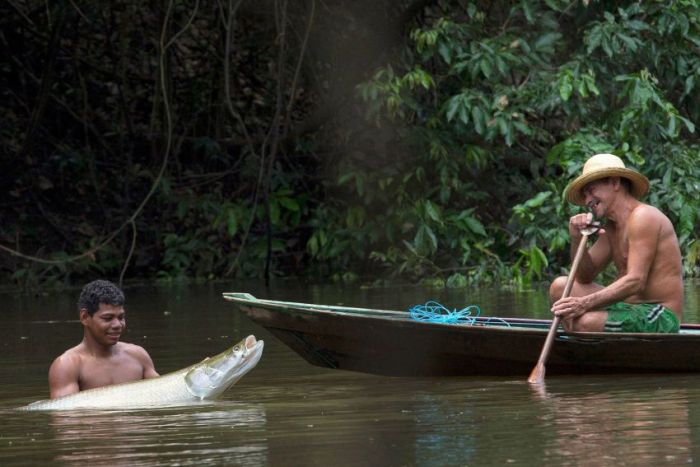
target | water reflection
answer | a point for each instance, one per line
(441, 434)
(208, 434)
(619, 427)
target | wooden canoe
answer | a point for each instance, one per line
(386, 342)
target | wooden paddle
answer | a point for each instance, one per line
(537, 375)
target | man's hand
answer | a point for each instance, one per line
(581, 222)
(578, 223)
(570, 307)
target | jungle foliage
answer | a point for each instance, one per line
(348, 139)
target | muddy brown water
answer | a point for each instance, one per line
(287, 412)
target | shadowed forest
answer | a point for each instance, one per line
(340, 140)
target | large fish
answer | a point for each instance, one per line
(207, 379)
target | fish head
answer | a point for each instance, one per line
(212, 376)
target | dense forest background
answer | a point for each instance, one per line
(347, 140)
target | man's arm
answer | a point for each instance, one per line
(63, 376)
(643, 228)
(596, 257)
(149, 370)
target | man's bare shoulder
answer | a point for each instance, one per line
(133, 350)
(64, 372)
(645, 216)
(644, 210)
(69, 358)
(141, 355)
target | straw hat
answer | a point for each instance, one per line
(602, 166)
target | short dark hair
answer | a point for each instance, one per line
(100, 291)
(627, 183)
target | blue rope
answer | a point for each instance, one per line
(434, 312)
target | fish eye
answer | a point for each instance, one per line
(236, 348)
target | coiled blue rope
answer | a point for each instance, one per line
(434, 312)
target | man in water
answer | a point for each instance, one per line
(647, 295)
(100, 359)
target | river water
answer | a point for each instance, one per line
(286, 412)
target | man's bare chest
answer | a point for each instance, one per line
(102, 372)
(619, 247)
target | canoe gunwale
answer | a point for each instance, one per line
(492, 323)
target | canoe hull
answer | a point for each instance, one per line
(391, 343)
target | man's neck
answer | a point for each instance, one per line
(620, 211)
(97, 350)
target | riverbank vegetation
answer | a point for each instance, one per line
(347, 140)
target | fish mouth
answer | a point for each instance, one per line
(250, 342)
(252, 349)
(252, 352)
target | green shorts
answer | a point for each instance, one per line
(640, 317)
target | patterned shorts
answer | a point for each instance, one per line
(640, 317)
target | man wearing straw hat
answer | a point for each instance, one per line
(647, 294)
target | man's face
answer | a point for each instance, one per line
(597, 196)
(106, 325)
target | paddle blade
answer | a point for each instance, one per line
(537, 375)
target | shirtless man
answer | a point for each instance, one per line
(647, 295)
(100, 359)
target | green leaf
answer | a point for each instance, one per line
(637, 25)
(630, 42)
(590, 84)
(566, 88)
(485, 68)
(453, 105)
(474, 225)
(312, 246)
(478, 119)
(289, 203)
(688, 124)
(425, 241)
(595, 38)
(463, 114)
(527, 10)
(445, 52)
(671, 126)
(539, 199)
(344, 178)
(606, 44)
(546, 41)
(501, 65)
(432, 212)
